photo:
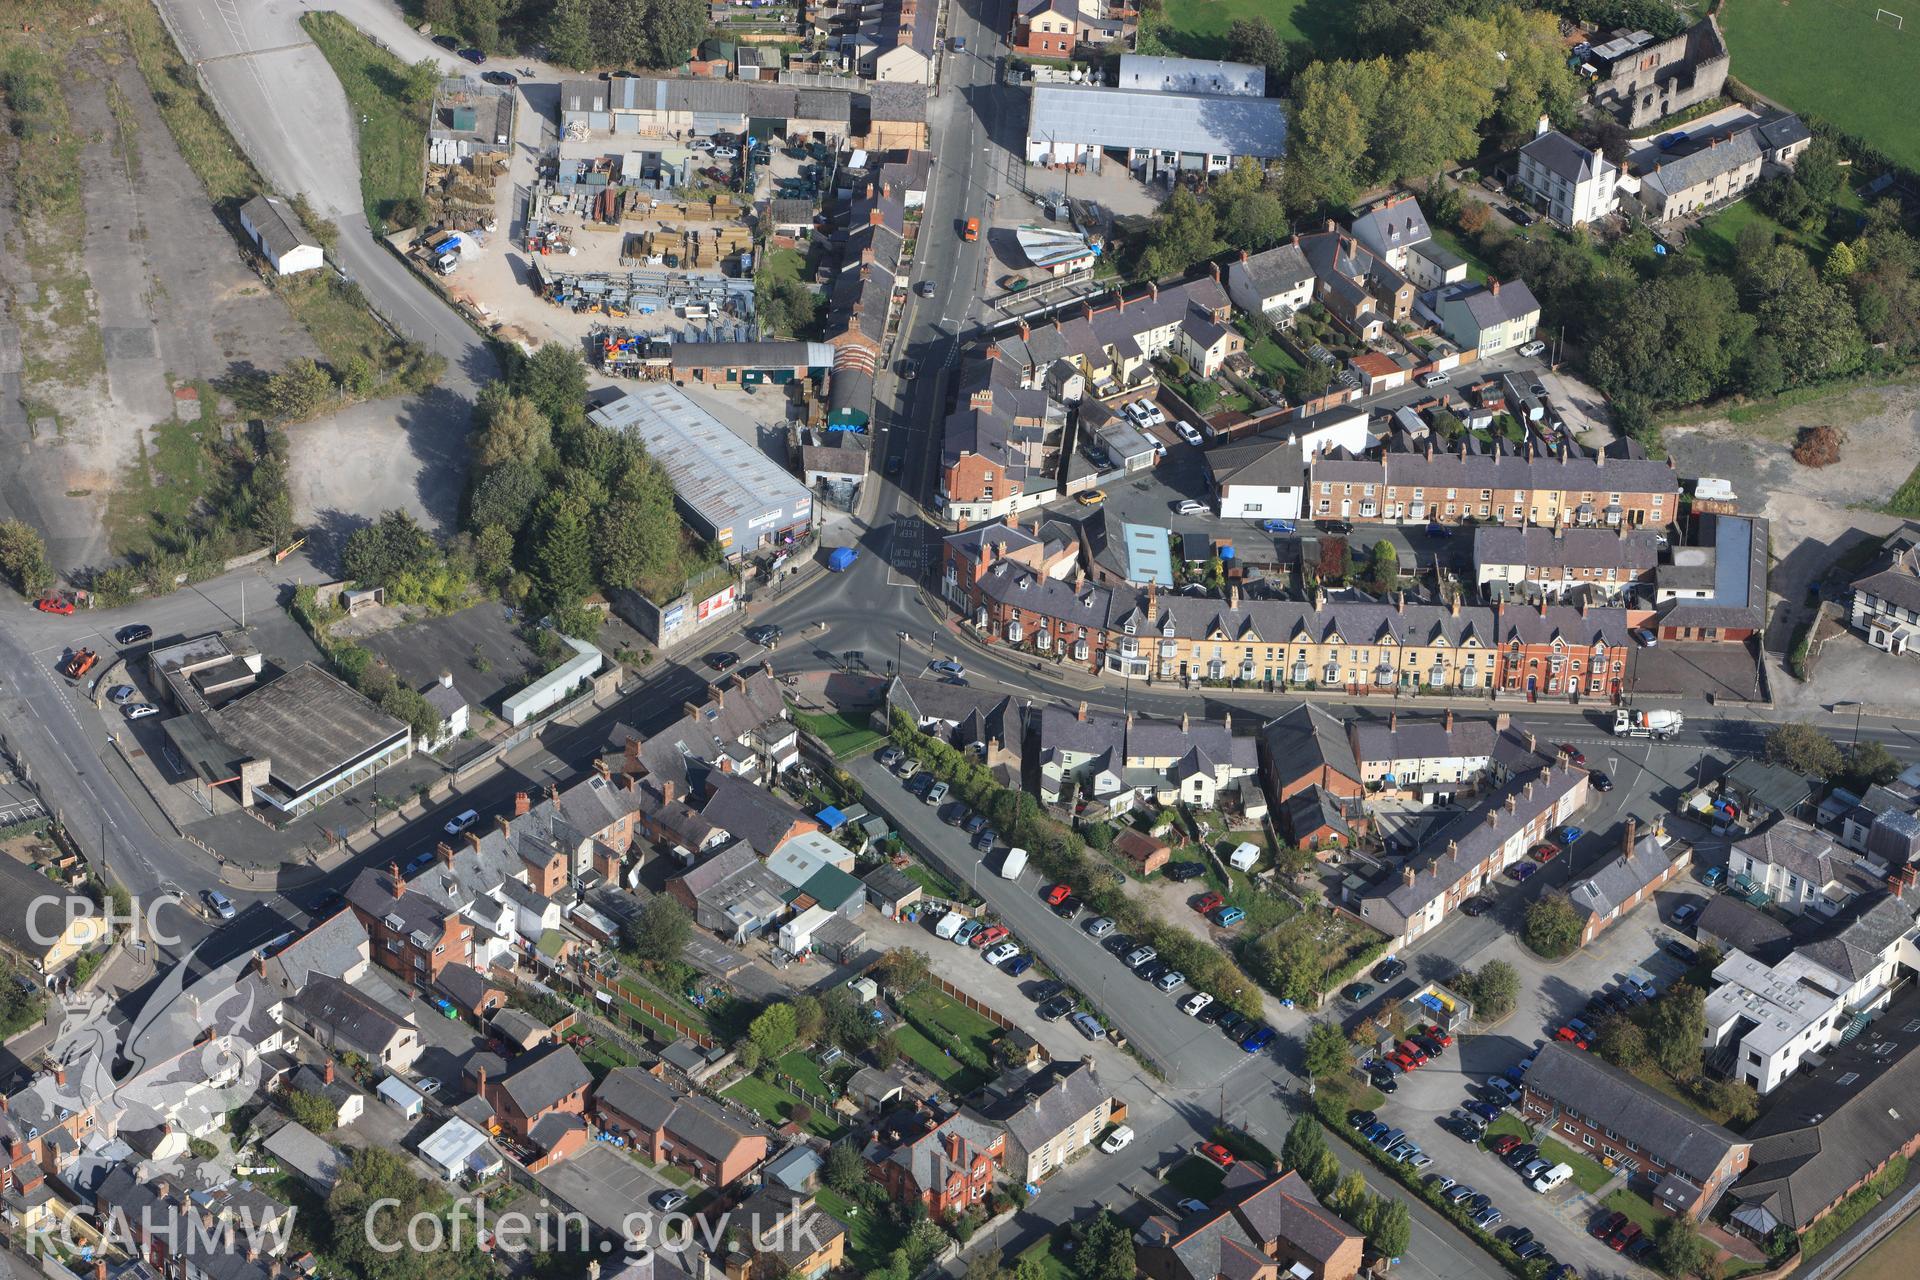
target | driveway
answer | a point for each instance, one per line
(1190, 1052)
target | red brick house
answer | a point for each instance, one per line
(718, 1145)
(409, 934)
(1547, 649)
(543, 1103)
(947, 1165)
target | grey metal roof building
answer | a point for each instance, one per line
(1142, 120)
(734, 495)
(1736, 555)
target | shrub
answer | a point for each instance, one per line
(1818, 446)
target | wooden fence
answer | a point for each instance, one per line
(991, 1014)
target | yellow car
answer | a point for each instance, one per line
(1092, 498)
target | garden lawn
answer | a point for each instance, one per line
(802, 1068)
(935, 1061)
(963, 1024)
(1197, 1177)
(1052, 1265)
(1272, 359)
(1832, 60)
(1904, 502)
(602, 1056)
(1507, 1123)
(871, 1238)
(393, 132)
(1589, 1173)
(844, 734)
(936, 885)
(776, 1105)
(1198, 28)
(785, 264)
(1635, 1206)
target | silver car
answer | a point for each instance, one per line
(1099, 926)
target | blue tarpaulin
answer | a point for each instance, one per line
(831, 818)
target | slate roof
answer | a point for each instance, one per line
(1078, 333)
(921, 1149)
(1663, 1126)
(1894, 575)
(354, 1017)
(1798, 850)
(1856, 942)
(1467, 468)
(1398, 225)
(1576, 547)
(1284, 1208)
(547, 1079)
(277, 224)
(1828, 1127)
(1671, 177)
(1743, 928)
(1274, 460)
(1193, 746)
(1782, 130)
(1214, 1246)
(750, 812)
(1275, 271)
(1739, 567)
(1299, 741)
(1608, 886)
(638, 1095)
(1422, 738)
(1777, 787)
(465, 985)
(1558, 154)
(1477, 833)
(1051, 1102)
(708, 1127)
(888, 883)
(1316, 809)
(312, 1156)
(976, 715)
(1490, 307)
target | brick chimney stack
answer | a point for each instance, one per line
(523, 803)
(393, 874)
(326, 1072)
(1493, 286)
(1081, 715)
(1627, 836)
(445, 851)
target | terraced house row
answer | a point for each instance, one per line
(1613, 486)
(1014, 591)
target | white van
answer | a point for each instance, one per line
(1552, 1178)
(948, 925)
(1016, 863)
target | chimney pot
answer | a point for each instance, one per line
(523, 803)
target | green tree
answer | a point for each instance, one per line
(23, 558)
(1323, 1173)
(1106, 1253)
(773, 1030)
(1429, 116)
(1327, 1051)
(1552, 927)
(748, 1055)
(1254, 40)
(1308, 381)
(511, 429)
(1391, 1229)
(1869, 763)
(1336, 108)
(1840, 263)
(1383, 569)
(1349, 1194)
(1248, 212)
(1800, 746)
(1288, 963)
(569, 33)
(555, 377)
(299, 391)
(563, 559)
(925, 1240)
(313, 1111)
(1185, 233)
(844, 1170)
(1678, 1246)
(493, 555)
(376, 1197)
(1622, 1042)
(1676, 1028)
(383, 551)
(505, 496)
(356, 376)
(1673, 341)
(423, 79)
(658, 932)
(1304, 1143)
(904, 971)
(1493, 988)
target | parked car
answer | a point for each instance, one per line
(1181, 872)
(1520, 871)
(1057, 1007)
(1533, 348)
(1276, 526)
(1568, 834)
(1187, 433)
(1067, 908)
(1099, 926)
(1576, 1033)
(122, 693)
(1545, 851)
(1231, 1021)
(1503, 1144)
(1600, 780)
(1486, 1111)
(1383, 1081)
(506, 78)
(1358, 992)
(1001, 953)
(1475, 906)
(1117, 1140)
(1140, 955)
(1437, 530)
(1389, 969)
(475, 56)
(459, 823)
(1684, 913)
(1681, 951)
(1195, 1003)
(1215, 1152)
(1017, 966)
(1170, 981)
(138, 633)
(987, 838)
(936, 793)
(1088, 1025)
(1190, 507)
(947, 667)
(968, 932)
(1227, 917)
(989, 935)
(1209, 903)
(1573, 754)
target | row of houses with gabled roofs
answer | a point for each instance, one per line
(1354, 644)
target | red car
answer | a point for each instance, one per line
(1405, 1060)
(1503, 1144)
(1058, 894)
(54, 604)
(987, 937)
(1546, 851)
(1621, 1237)
(1415, 1052)
(1576, 1033)
(1572, 753)
(1216, 1153)
(1607, 1226)
(1209, 904)
(1438, 1036)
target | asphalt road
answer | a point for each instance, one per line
(1193, 1053)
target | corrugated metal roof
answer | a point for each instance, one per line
(1233, 126)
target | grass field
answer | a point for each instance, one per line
(1198, 28)
(776, 1105)
(1197, 1177)
(1589, 1174)
(844, 733)
(393, 139)
(1831, 59)
(1906, 499)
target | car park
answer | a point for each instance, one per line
(1087, 1025)
(1231, 1021)
(1257, 1040)
(1067, 908)
(1000, 953)
(1099, 926)
(990, 935)
(1140, 955)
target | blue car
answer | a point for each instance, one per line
(1259, 1040)
(1276, 526)
(1568, 834)
(1485, 1110)
(1374, 1130)
(1439, 531)
(1018, 965)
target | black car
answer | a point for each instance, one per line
(985, 840)
(447, 42)
(1389, 969)
(1234, 1022)
(1068, 907)
(135, 634)
(1211, 1014)
(474, 56)
(1119, 944)
(1517, 1236)
(953, 813)
(1384, 1082)
(1530, 1250)
(1048, 990)
(1520, 1155)
(1681, 951)
(1433, 1048)
(1056, 1008)
(723, 661)
(1181, 872)
(1335, 526)
(1476, 906)
(1642, 1246)
(1600, 781)
(501, 77)
(1152, 970)
(327, 903)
